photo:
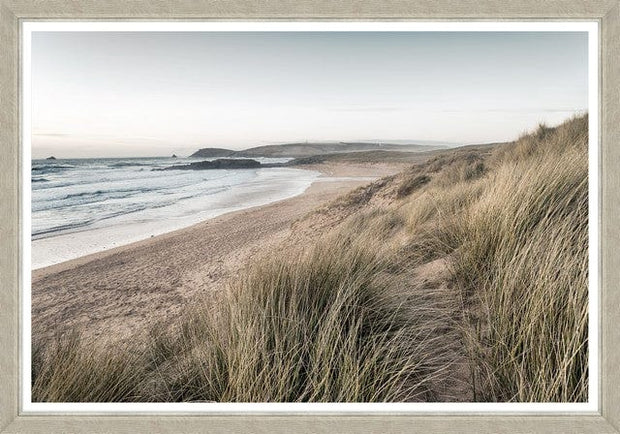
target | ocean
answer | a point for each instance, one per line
(82, 206)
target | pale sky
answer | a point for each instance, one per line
(98, 94)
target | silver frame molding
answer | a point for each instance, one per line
(606, 12)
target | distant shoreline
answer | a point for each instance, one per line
(290, 150)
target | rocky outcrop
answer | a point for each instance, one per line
(212, 153)
(223, 163)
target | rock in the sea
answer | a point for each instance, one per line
(51, 158)
(222, 163)
(174, 156)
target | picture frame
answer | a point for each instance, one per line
(607, 13)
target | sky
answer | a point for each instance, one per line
(108, 94)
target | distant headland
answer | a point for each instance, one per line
(305, 149)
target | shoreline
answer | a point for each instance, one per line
(113, 292)
(327, 173)
(152, 219)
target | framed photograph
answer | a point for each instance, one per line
(266, 217)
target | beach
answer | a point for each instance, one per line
(115, 293)
(84, 206)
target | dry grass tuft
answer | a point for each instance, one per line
(68, 371)
(412, 184)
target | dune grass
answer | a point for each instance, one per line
(66, 370)
(525, 258)
(518, 239)
(321, 327)
(355, 316)
(328, 325)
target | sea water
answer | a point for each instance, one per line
(82, 206)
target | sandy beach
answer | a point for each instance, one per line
(116, 292)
